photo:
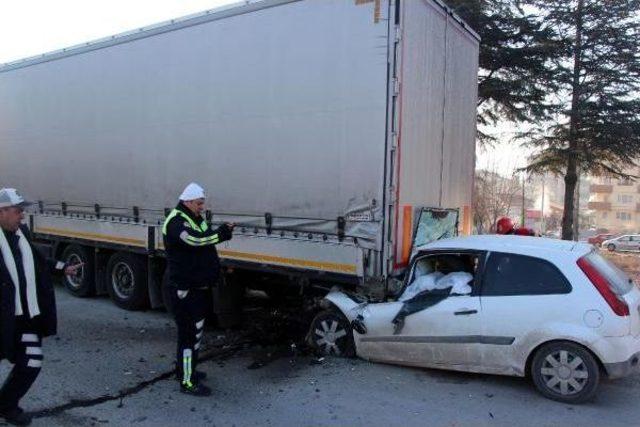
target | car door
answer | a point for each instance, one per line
(441, 334)
(520, 295)
(623, 243)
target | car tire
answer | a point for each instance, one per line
(331, 335)
(127, 281)
(83, 284)
(611, 247)
(566, 372)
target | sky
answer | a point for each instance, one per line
(505, 156)
(33, 27)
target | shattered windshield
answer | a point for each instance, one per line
(436, 224)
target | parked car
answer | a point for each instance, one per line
(627, 242)
(554, 310)
(599, 238)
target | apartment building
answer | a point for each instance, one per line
(615, 204)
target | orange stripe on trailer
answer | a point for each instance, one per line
(90, 236)
(466, 220)
(407, 228)
(270, 259)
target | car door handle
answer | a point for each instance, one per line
(465, 312)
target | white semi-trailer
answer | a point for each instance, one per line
(329, 130)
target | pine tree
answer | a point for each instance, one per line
(513, 82)
(597, 124)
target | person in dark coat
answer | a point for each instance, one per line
(506, 226)
(194, 267)
(27, 305)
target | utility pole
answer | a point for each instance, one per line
(524, 175)
(542, 225)
(576, 210)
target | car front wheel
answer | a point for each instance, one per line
(611, 247)
(566, 372)
(331, 334)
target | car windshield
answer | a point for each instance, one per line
(620, 282)
(436, 224)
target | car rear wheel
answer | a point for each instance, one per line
(331, 334)
(611, 247)
(565, 372)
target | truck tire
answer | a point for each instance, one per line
(227, 300)
(331, 335)
(83, 284)
(167, 301)
(127, 281)
(277, 294)
(566, 372)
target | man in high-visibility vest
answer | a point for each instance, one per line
(194, 267)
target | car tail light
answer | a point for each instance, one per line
(618, 305)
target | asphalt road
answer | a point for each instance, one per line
(108, 367)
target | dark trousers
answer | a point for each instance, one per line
(26, 368)
(189, 313)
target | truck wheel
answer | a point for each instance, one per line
(331, 334)
(565, 372)
(83, 284)
(127, 281)
(227, 301)
(277, 294)
(167, 300)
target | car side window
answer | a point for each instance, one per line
(511, 274)
(440, 271)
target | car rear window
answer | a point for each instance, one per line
(619, 280)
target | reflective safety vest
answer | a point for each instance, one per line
(202, 227)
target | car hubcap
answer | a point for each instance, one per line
(75, 281)
(123, 281)
(327, 335)
(564, 372)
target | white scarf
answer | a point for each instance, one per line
(29, 272)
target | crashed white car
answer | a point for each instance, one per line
(511, 305)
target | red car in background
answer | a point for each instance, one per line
(599, 238)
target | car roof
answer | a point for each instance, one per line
(500, 243)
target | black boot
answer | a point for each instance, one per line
(16, 416)
(195, 389)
